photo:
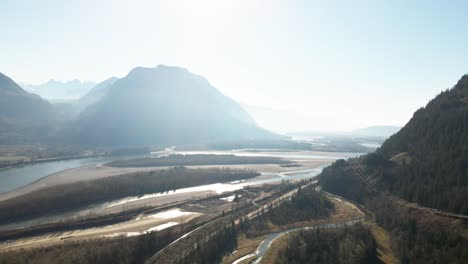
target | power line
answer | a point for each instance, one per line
(380, 190)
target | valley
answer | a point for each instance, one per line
(132, 215)
(233, 132)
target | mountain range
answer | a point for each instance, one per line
(57, 90)
(161, 105)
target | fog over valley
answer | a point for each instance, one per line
(216, 131)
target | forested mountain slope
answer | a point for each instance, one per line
(432, 153)
(425, 162)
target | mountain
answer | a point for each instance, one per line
(56, 90)
(94, 95)
(434, 149)
(427, 160)
(163, 105)
(377, 131)
(24, 117)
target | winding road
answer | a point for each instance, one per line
(266, 243)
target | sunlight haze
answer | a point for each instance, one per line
(316, 60)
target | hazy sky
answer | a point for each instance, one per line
(335, 64)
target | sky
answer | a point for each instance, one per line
(325, 65)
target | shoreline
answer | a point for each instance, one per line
(92, 172)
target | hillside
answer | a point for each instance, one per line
(92, 97)
(24, 117)
(435, 142)
(427, 160)
(162, 105)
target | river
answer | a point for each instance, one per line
(14, 178)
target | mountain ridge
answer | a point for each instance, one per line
(56, 90)
(163, 105)
(426, 162)
(24, 117)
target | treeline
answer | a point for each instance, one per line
(76, 195)
(121, 250)
(350, 245)
(212, 247)
(305, 204)
(340, 179)
(32, 152)
(333, 145)
(196, 159)
(435, 174)
(417, 237)
(436, 181)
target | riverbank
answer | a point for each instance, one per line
(94, 169)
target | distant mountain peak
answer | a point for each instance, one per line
(160, 69)
(163, 105)
(53, 89)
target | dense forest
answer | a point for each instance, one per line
(425, 162)
(350, 245)
(212, 247)
(420, 238)
(305, 204)
(121, 250)
(196, 159)
(72, 196)
(417, 237)
(430, 154)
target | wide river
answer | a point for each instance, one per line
(14, 178)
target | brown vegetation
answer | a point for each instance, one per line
(76, 195)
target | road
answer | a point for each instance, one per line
(252, 214)
(266, 243)
(284, 196)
